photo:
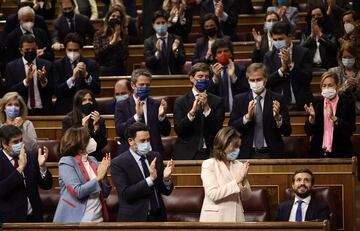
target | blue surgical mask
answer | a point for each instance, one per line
(161, 29)
(280, 44)
(202, 84)
(12, 111)
(348, 63)
(120, 98)
(142, 92)
(16, 149)
(281, 2)
(268, 26)
(143, 148)
(233, 155)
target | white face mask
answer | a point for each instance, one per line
(120, 98)
(328, 93)
(28, 26)
(348, 27)
(72, 55)
(91, 146)
(257, 87)
(143, 148)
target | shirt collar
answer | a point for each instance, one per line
(165, 36)
(305, 200)
(262, 94)
(143, 101)
(26, 62)
(7, 155)
(24, 31)
(136, 156)
(194, 91)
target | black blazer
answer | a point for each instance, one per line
(258, 55)
(41, 38)
(62, 71)
(12, 22)
(201, 48)
(13, 193)
(315, 211)
(83, 27)
(15, 74)
(300, 77)
(189, 132)
(241, 84)
(124, 117)
(272, 133)
(342, 146)
(155, 65)
(231, 7)
(99, 136)
(133, 191)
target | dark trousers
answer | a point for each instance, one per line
(202, 154)
(261, 153)
(155, 216)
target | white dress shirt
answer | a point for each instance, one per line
(304, 207)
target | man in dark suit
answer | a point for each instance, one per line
(12, 22)
(140, 178)
(164, 52)
(289, 67)
(198, 116)
(303, 207)
(226, 11)
(72, 73)
(20, 176)
(229, 78)
(263, 43)
(26, 16)
(261, 117)
(31, 78)
(70, 22)
(140, 107)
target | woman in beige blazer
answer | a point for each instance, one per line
(224, 180)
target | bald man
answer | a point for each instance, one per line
(26, 17)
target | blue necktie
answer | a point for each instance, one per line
(298, 217)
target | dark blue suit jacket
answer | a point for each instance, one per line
(15, 74)
(315, 211)
(272, 133)
(13, 193)
(124, 116)
(12, 22)
(62, 72)
(201, 48)
(133, 191)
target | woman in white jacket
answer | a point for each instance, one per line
(224, 180)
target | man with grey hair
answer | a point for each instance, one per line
(142, 108)
(261, 117)
(26, 17)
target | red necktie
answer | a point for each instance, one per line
(16, 162)
(31, 86)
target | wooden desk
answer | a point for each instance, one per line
(175, 226)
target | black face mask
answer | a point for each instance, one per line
(30, 56)
(87, 108)
(113, 22)
(69, 14)
(320, 22)
(210, 32)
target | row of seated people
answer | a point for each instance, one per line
(111, 47)
(84, 185)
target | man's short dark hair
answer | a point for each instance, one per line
(160, 14)
(7, 132)
(281, 28)
(304, 170)
(221, 43)
(200, 67)
(355, 15)
(131, 130)
(73, 37)
(26, 39)
(138, 72)
(207, 17)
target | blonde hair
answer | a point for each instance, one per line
(12, 96)
(167, 5)
(326, 75)
(222, 140)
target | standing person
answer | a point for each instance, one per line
(198, 116)
(225, 180)
(84, 114)
(331, 121)
(287, 13)
(72, 73)
(82, 180)
(164, 52)
(141, 179)
(304, 207)
(140, 107)
(20, 177)
(13, 111)
(110, 43)
(149, 8)
(261, 117)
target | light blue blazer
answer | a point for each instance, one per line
(76, 189)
